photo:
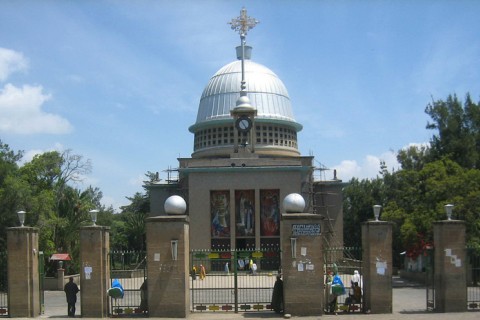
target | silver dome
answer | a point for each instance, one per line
(266, 92)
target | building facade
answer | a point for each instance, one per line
(245, 161)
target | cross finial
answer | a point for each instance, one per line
(243, 23)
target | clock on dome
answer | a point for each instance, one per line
(243, 124)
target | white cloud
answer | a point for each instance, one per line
(21, 112)
(28, 155)
(10, 62)
(368, 168)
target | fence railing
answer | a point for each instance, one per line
(473, 278)
(3, 284)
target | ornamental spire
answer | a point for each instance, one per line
(242, 24)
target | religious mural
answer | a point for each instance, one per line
(269, 213)
(220, 213)
(245, 212)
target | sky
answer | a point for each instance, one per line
(119, 82)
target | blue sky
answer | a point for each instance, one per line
(119, 82)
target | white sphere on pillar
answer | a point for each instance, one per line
(175, 205)
(294, 203)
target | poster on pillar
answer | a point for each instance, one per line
(220, 213)
(245, 213)
(269, 213)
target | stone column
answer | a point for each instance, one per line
(23, 277)
(450, 266)
(302, 264)
(377, 266)
(60, 279)
(168, 286)
(94, 271)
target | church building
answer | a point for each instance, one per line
(246, 160)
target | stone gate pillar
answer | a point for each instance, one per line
(450, 268)
(302, 264)
(377, 266)
(168, 266)
(23, 277)
(94, 271)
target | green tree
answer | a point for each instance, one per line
(133, 217)
(11, 189)
(458, 130)
(359, 198)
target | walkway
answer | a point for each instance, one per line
(408, 303)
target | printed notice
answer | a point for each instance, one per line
(303, 251)
(381, 268)
(88, 272)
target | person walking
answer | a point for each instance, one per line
(277, 295)
(71, 290)
(203, 273)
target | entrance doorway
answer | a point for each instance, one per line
(230, 283)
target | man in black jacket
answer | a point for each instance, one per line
(71, 290)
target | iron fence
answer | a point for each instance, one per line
(430, 278)
(343, 262)
(129, 268)
(473, 278)
(3, 285)
(234, 280)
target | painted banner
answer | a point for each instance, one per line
(269, 213)
(245, 212)
(220, 213)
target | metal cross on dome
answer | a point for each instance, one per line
(243, 23)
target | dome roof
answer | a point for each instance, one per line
(266, 92)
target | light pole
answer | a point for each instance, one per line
(376, 211)
(21, 217)
(449, 210)
(93, 215)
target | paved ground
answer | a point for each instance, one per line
(408, 303)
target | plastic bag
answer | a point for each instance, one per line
(337, 286)
(116, 291)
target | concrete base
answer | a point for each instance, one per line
(450, 266)
(378, 267)
(95, 271)
(302, 268)
(23, 284)
(168, 287)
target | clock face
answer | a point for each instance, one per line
(243, 123)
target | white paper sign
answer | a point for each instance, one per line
(88, 272)
(300, 267)
(303, 251)
(381, 267)
(156, 257)
(458, 263)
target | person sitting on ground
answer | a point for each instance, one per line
(354, 297)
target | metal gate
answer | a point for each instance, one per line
(130, 269)
(3, 284)
(233, 280)
(344, 261)
(41, 280)
(473, 279)
(430, 278)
